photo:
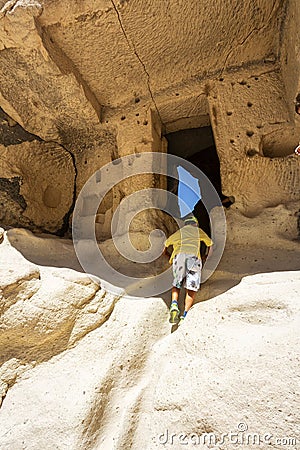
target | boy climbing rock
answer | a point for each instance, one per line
(187, 264)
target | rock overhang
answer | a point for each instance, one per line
(145, 48)
(104, 79)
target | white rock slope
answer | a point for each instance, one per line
(81, 370)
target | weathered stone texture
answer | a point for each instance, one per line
(37, 184)
(84, 369)
(83, 83)
(119, 34)
(104, 79)
(246, 111)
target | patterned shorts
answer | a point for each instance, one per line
(187, 271)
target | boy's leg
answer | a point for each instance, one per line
(175, 294)
(193, 279)
(189, 299)
(174, 310)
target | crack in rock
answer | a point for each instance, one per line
(132, 47)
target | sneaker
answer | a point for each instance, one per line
(174, 313)
(181, 320)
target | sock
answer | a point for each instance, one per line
(174, 303)
(185, 313)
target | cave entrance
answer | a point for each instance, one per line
(197, 146)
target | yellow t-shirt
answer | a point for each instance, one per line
(187, 240)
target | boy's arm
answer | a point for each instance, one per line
(165, 252)
(209, 252)
(170, 242)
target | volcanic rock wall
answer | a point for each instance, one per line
(83, 84)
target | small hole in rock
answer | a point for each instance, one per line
(229, 113)
(136, 100)
(231, 141)
(249, 104)
(145, 122)
(251, 152)
(176, 94)
(123, 117)
(249, 133)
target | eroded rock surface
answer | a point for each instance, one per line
(43, 311)
(84, 369)
(104, 80)
(37, 184)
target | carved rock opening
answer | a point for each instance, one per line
(197, 145)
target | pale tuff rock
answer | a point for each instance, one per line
(275, 228)
(19, 279)
(44, 310)
(103, 80)
(40, 184)
(51, 98)
(83, 84)
(43, 92)
(82, 368)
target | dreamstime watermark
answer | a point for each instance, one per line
(241, 436)
(101, 182)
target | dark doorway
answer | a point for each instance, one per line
(197, 146)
